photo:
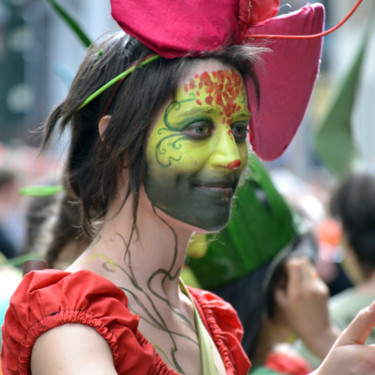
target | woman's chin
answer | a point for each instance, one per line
(206, 224)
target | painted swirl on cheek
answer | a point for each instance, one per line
(168, 148)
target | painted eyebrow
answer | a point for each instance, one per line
(201, 110)
(197, 111)
(246, 114)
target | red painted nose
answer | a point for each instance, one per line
(234, 164)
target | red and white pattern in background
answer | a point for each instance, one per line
(30, 166)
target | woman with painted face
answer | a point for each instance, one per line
(173, 154)
(158, 121)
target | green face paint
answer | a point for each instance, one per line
(197, 149)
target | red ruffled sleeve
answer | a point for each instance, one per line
(47, 299)
(50, 298)
(226, 329)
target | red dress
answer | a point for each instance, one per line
(49, 298)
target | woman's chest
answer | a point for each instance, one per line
(174, 336)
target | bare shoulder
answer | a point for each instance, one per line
(71, 349)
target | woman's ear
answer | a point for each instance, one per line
(103, 123)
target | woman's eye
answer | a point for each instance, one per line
(239, 131)
(201, 129)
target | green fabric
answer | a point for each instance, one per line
(343, 307)
(336, 127)
(261, 225)
(71, 23)
(204, 339)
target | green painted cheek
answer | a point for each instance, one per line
(168, 150)
(166, 144)
(179, 199)
(164, 148)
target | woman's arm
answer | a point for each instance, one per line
(71, 349)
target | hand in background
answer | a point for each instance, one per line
(302, 306)
(349, 355)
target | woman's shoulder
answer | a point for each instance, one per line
(45, 291)
(51, 280)
(48, 295)
(50, 298)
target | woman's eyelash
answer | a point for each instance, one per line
(197, 127)
(240, 131)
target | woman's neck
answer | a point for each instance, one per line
(151, 260)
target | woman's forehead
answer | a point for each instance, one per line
(198, 67)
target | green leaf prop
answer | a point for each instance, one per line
(18, 261)
(50, 190)
(40, 190)
(261, 225)
(71, 22)
(334, 141)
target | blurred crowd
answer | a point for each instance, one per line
(20, 166)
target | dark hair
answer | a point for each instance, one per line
(65, 231)
(38, 212)
(353, 203)
(95, 163)
(53, 225)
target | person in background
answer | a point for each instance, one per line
(310, 197)
(353, 205)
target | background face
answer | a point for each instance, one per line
(197, 148)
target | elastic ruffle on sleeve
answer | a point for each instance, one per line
(225, 328)
(50, 298)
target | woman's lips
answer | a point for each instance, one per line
(223, 191)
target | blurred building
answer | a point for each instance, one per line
(39, 55)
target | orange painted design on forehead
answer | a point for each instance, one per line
(222, 88)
